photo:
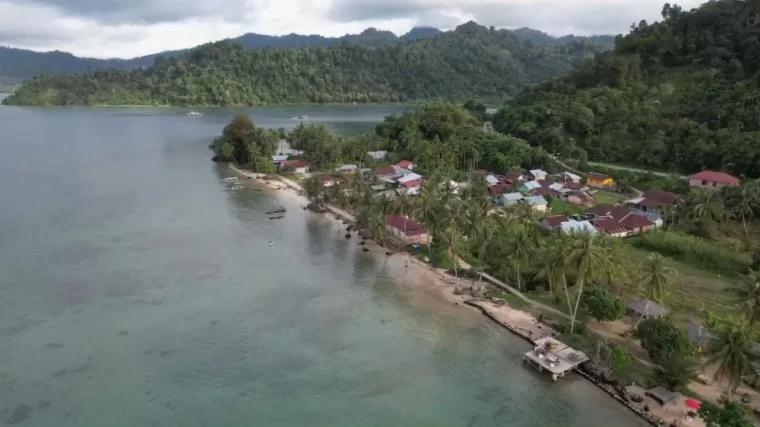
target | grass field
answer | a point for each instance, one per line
(605, 197)
(694, 291)
(560, 207)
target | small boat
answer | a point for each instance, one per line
(303, 117)
(237, 187)
(194, 113)
(277, 217)
(277, 211)
(231, 179)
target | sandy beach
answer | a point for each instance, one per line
(404, 267)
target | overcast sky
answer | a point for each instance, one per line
(128, 28)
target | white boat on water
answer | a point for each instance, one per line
(231, 179)
(194, 113)
(300, 118)
(237, 187)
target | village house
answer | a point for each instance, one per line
(496, 192)
(348, 169)
(407, 230)
(599, 180)
(568, 177)
(526, 187)
(653, 202)
(575, 227)
(405, 164)
(553, 222)
(645, 309)
(377, 155)
(538, 174)
(712, 179)
(610, 227)
(491, 179)
(510, 199)
(512, 178)
(297, 166)
(579, 198)
(385, 172)
(635, 223)
(329, 181)
(537, 203)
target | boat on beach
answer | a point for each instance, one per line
(281, 216)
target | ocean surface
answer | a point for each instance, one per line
(137, 289)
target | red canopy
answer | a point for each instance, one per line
(692, 403)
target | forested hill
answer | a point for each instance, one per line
(20, 64)
(470, 62)
(679, 94)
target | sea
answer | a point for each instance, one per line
(139, 289)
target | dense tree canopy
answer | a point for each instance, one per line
(678, 94)
(470, 62)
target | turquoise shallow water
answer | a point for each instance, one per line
(137, 290)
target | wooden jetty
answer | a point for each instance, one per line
(548, 354)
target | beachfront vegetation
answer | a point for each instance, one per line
(729, 414)
(603, 305)
(472, 61)
(675, 95)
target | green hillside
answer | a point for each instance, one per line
(681, 94)
(470, 62)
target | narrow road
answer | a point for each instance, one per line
(632, 169)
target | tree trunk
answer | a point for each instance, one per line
(567, 296)
(577, 303)
(519, 282)
(646, 313)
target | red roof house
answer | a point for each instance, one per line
(410, 183)
(634, 222)
(385, 171)
(498, 189)
(610, 226)
(295, 163)
(712, 179)
(406, 164)
(407, 230)
(552, 222)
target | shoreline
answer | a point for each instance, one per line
(520, 323)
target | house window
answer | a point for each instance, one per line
(704, 182)
(714, 184)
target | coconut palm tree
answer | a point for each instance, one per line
(228, 152)
(586, 259)
(521, 245)
(733, 351)
(552, 261)
(655, 278)
(749, 297)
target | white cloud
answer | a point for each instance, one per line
(128, 28)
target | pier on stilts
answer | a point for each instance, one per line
(551, 355)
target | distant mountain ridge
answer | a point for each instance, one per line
(471, 62)
(17, 65)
